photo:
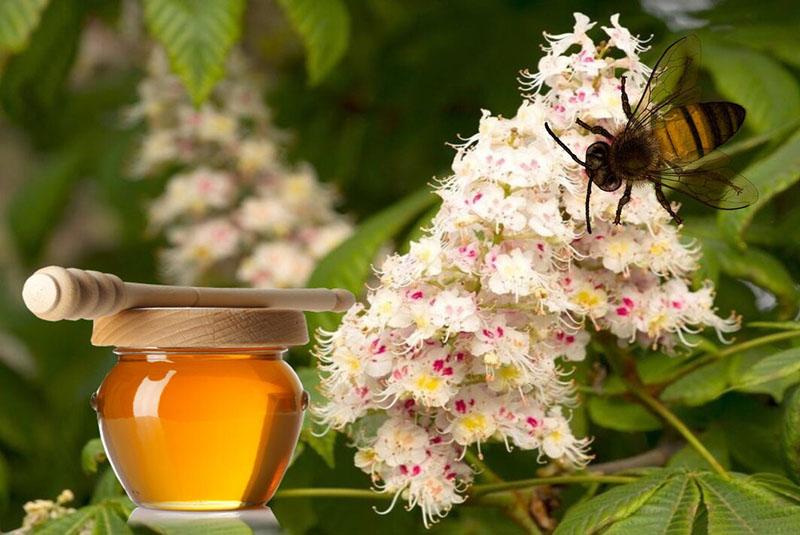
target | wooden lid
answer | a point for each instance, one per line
(201, 327)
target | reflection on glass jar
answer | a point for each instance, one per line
(200, 429)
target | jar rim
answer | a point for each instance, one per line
(276, 351)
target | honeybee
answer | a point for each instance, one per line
(667, 139)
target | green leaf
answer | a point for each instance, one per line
(324, 26)
(779, 41)
(72, 524)
(197, 36)
(39, 202)
(737, 506)
(753, 265)
(312, 433)
(5, 482)
(778, 485)
(771, 175)
(715, 442)
(108, 522)
(621, 415)
(753, 431)
(597, 514)
(766, 89)
(741, 363)
(670, 510)
(790, 433)
(18, 18)
(699, 386)
(192, 526)
(107, 487)
(92, 455)
(771, 368)
(33, 81)
(348, 266)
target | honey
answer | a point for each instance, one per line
(200, 429)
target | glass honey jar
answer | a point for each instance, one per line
(200, 412)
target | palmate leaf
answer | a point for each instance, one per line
(673, 502)
(18, 18)
(197, 34)
(107, 521)
(349, 265)
(324, 26)
(617, 504)
(71, 524)
(739, 505)
(669, 511)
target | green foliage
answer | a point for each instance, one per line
(324, 26)
(18, 18)
(408, 77)
(766, 89)
(621, 415)
(312, 434)
(197, 36)
(771, 175)
(32, 84)
(771, 368)
(678, 501)
(717, 443)
(92, 455)
(790, 433)
(699, 386)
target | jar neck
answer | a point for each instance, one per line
(199, 353)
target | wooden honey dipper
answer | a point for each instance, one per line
(55, 293)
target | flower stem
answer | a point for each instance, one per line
(330, 492)
(476, 491)
(732, 350)
(659, 408)
(506, 486)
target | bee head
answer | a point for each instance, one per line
(598, 168)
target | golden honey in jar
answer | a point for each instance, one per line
(200, 428)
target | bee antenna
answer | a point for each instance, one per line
(563, 146)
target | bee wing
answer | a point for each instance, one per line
(672, 83)
(711, 182)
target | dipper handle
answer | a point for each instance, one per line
(54, 293)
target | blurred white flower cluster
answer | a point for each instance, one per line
(234, 206)
(460, 342)
(39, 512)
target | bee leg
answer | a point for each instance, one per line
(597, 130)
(588, 214)
(626, 197)
(662, 199)
(626, 105)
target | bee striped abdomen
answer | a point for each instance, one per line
(692, 131)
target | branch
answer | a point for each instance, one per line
(507, 486)
(656, 457)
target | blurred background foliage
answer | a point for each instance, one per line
(371, 91)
